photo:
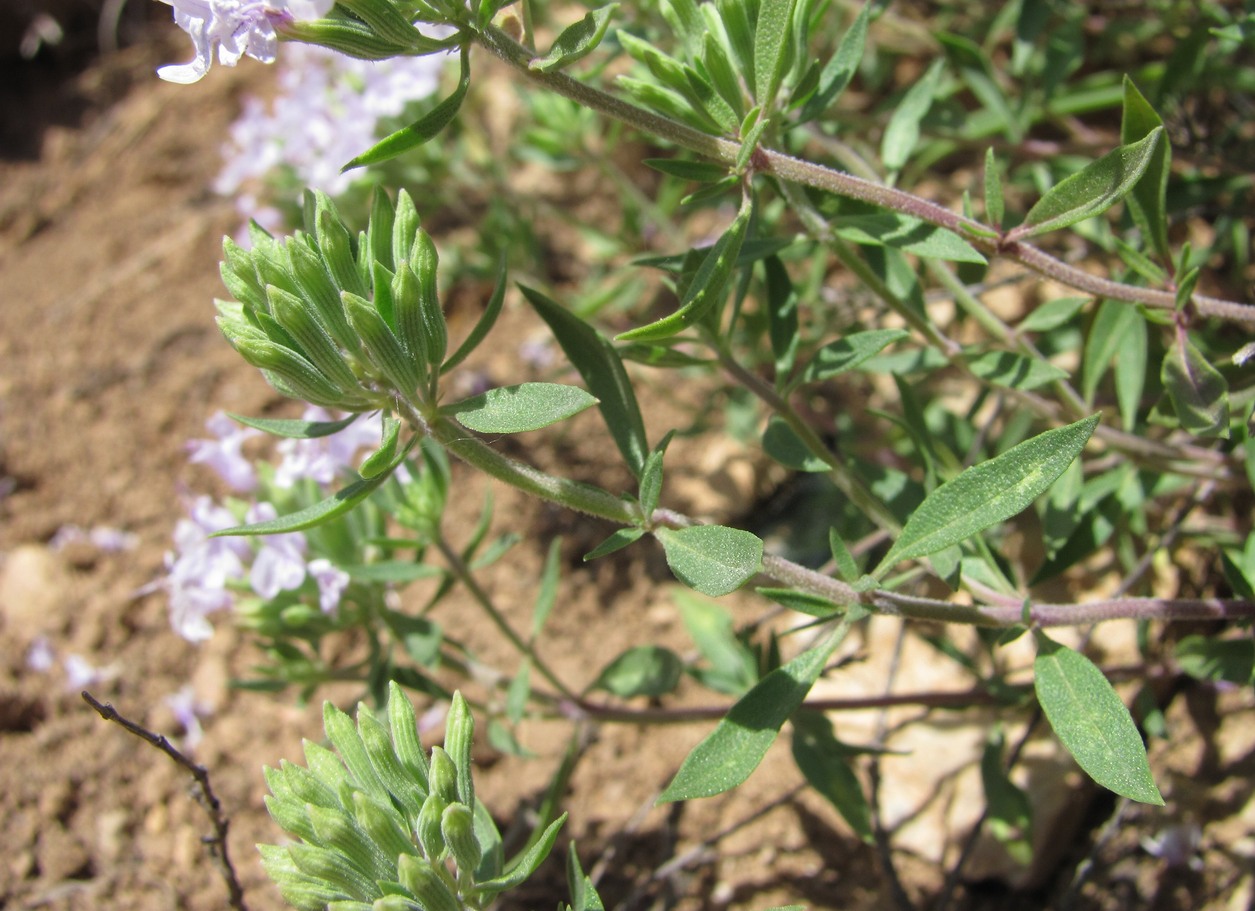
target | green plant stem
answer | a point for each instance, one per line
(467, 578)
(795, 170)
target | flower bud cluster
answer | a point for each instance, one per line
(338, 321)
(381, 825)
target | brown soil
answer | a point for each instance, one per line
(109, 361)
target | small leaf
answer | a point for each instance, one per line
(1198, 391)
(846, 354)
(698, 171)
(902, 132)
(846, 567)
(771, 38)
(651, 477)
(733, 667)
(783, 444)
(988, 493)
(1146, 202)
(1092, 722)
(422, 130)
(727, 756)
(1052, 314)
(602, 370)
(1208, 658)
(583, 892)
(707, 287)
(1010, 817)
(821, 758)
(514, 409)
(994, 207)
(485, 322)
(1106, 337)
(647, 670)
(576, 41)
(840, 69)
(1015, 371)
(526, 865)
(336, 505)
(802, 602)
(294, 429)
(547, 593)
(713, 559)
(1092, 190)
(381, 458)
(906, 233)
(617, 541)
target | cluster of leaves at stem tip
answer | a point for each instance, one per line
(355, 322)
(384, 826)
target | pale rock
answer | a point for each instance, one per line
(34, 583)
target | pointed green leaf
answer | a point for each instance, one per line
(902, 131)
(1208, 658)
(698, 171)
(847, 569)
(617, 541)
(713, 559)
(908, 234)
(576, 41)
(514, 409)
(1010, 818)
(425, 128)
(381, 458)
(1146, 202)
(839, 70)
(821, 758)
(583, 892)
(646, 670)
(708, 286)
(994, 207)
(526, 865)
(733, 667)
(771, 39)
(727, 756)
(336, 505)
(1198, 391)
(651, 477)
(602, 370)
(783, 444)
(1091, 720)
(846, 354)
(1015, 371)
(1092, 190)
(802, 602)
(485, 322)
(294, 429)
(1052, 314)
(988, 493)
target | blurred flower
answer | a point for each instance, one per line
(1177, 845)
(40, 657)
(224, 453)
(324, 459)
(332, 581)
(199, 567)
(102, 537)
(80, 673)
(280, 563)
(188, 712)
(235, 28)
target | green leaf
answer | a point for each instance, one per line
(381, 458)
(294, 429)
(839, 70)
(583, 893)
(1010, 817)
(995, 209)
(1052, 314)
(1198, 391)
(422, 130)
(902, 131)
(526, 865)
(846, 354)
(1015, 371)
(771, 40)
(617, 541)
(733, 667)
(514, 409)
(821, 758)
(847, 569)
(646, 670)
(699, 171)
(783, 444)
(1092, 722)
(802, 602)
(906, 233)
(547, 594)
(1131, 370)
(322, 512)
(1106, 336)
(1208, 658)
(651, 477)
(727, 756)
(713, 559)
(1092, 190)
(602, 370)
(485, 322)
(576, 41)
(707, 287)
(1146, 202)
(988, 493)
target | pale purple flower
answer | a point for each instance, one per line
(188, 711)
(1177, 845)
(80, 673)
(332, 581)
(280, 563)
(102, 537)
(40, 657)
(199, 567)
(326, 459)
(235, 28)
(224, 454)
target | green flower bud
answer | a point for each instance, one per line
(395, 903)
(457, 825)
(382, 347)
(422, 879)
(296, 377)
(298, 889)
(408, 793)
(379, 229)
(430, 838)
(333, 868)
(404, 227)
(443, 777)
(317, 287)
(458, 734)
(424, 261)
(336, 245)
(383, 826)
(348, 36)
(405, 740)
